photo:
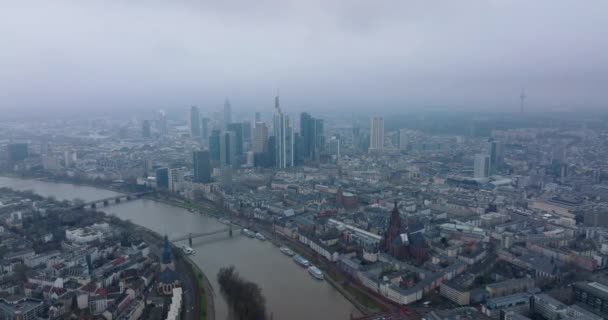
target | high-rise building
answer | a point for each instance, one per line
(202, 166)
(205, 128)
(246, 132)
(17, 151)
(162, 178)
(69, 158)
(402, 139)
(176, 176)
(482, 166)
(146, 130)
(227, 114)
(283, 132)
(237, 128)
(228, 149)
(334, 146)
(161, 123)
(258, 117)
(298, 150)
(307, 133)
(260, 135)
(495, 150)
(311, 130)
(195, 122)
(376, 141)
(271, 152)
(319, 143)
(214, 146)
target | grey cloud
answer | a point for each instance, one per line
(345, 54)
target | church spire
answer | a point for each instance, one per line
(166, 257)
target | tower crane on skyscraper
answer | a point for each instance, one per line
(522, 97)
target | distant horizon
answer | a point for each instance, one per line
(181, 113)
(351, 56)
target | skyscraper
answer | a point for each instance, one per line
(205, 128)
(311, 131)
(298, 149)
(258, 117)
(376, 140)
(260, 135)
(227, 114)
(283, 132)
(271, 152)
(319, 143)
(495, 150)
(17, 151)
(402, 139)
(482, 166)
(307, 133)
(334, 146)
(69, 158)
(237, 128)
(176, 177)
(246, 133)
(195, 122)
(214, 146)
(146, 129)
(202, 166)
(162, 178)
(228, 149)
(161, 123)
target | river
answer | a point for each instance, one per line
(291, 293)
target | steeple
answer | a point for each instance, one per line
(393, 229)
(166, 257)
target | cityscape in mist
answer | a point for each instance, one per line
(330, 160)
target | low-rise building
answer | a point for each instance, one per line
(593, 296)
(508, 287)
(21, 309)
(519, 303)
(83, 235)
(457, 290)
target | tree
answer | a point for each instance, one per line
(244, 297)
(21, 272)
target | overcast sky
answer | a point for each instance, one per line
(343, 54)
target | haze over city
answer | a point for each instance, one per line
(346, 55)
(313, 159)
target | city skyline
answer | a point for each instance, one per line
(287, 159)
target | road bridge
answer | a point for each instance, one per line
(111, 200)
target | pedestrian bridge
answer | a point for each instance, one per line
(191, 236)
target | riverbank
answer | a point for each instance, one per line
(355, 295)
(198, 293)
(284, 288)
(105, 185)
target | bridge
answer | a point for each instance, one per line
(191, 236)
(111, 200)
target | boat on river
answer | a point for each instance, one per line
(316, 272)
(287, 251)
(260, 236)
(188, 251)
(248, 233)
(301, 261)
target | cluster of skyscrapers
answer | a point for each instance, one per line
(486, 164)
(235, 144)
